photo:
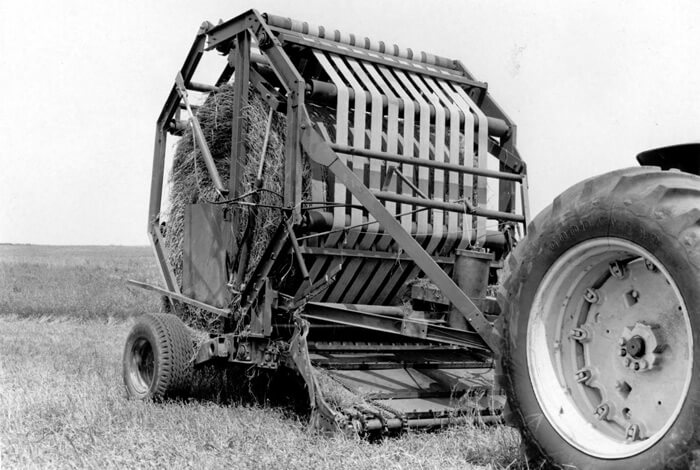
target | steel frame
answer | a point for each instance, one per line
(234, 37)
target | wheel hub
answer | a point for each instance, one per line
(641, 345)
(143, 365)
(609, 347)
(635, 346)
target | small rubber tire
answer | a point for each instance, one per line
(658, 211)
(157, 361)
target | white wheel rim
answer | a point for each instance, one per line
(569, 334)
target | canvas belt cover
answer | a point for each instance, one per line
(390, 109)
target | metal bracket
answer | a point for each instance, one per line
(416, 326)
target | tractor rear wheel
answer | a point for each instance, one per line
(157, 357)
(601, 316)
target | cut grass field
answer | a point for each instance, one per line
(79, 282)
(64, 315)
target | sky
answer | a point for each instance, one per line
(589, 85)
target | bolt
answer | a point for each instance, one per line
(649, 265)
(579, 334)
(617, 270)
(583, 375)
(591, 295)
(632, 432)
(602, 411)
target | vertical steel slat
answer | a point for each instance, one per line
(407, 136)
(438, 154)
(424, 147)
(375, 141)
(402, 272)
(468, 147)
(358, 131)
(365, 268)
(407, 141)
(453, 230)
(428, 237)
(354, 236)
(482, 155)
(392, 124)
(392, 132)
(341, 136)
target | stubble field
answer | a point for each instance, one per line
(64, 316)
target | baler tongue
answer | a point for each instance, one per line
(376, 278)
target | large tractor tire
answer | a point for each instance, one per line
(157, 357)
(601, 316)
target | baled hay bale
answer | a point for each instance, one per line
(190, 182)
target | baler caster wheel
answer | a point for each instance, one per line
(600, 306)
(157, 357)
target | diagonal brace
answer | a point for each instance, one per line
(320, 151)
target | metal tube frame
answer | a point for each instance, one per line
(301, 134)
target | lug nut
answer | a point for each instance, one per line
(583, 376)
(632, 432)
(602, 411)
(623, 352)
(649, 265)
(578, 334)
(636, 366)
(591, 296)
(617, 270)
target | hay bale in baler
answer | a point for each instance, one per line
(190, 182)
